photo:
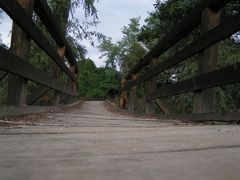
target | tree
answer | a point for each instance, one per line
(110, 51)
(126, 52)
(64, 12)
(164, 19)
(131, 49)
(75, 29)
(96, 82)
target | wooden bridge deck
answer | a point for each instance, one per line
(94, 143)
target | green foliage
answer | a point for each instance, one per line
(228, 97)
(76, 29)
(64, 12)
(126, 52)
(131, 50)
(88, 7)
(110, 51)
(164, 19)
(96, 82)
(80, 30)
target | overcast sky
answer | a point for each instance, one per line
(113, 15)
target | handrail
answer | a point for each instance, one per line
(224, 30)
(182, 29)
(11, 62)
(17, 13)
(45, 13)
(206, 13)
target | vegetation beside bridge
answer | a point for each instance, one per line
(121, 56)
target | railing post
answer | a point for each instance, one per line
(204, 99)
(122, 96)
(151, 86)
(132, 95)
(20, 46)
(73, 84)
(56, 72)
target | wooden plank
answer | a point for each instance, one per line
(122, 96)
(16, 12)
(231, 117)
(218, 4)
(44, 12)
(36, 94)
(182, 29)
(224, 30)
(2, 74)
(225, 76)
(24, 110)
(131, 101)
(20, 46)
(207, 62)
(11, 63)
(73, 84)
(150, 87)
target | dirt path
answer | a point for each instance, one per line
(94, 143)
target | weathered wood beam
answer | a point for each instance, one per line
(151, 86)
(231, 117)
(56, 74)
(2, 74)
(132, 96)
(224, 30)
(207, 62)
(20, 46)
(218, 4)
(162, 106)
(182, 29)
(122, 98)
(17, 13)
(36, 94)
(11, 63)
(225, 76)
(45, 13)
(73, 84)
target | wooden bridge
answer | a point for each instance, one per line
(92, 139)
(91, 142)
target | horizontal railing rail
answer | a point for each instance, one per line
(11, 63)
(224, 30)
(209, 37)
(17, 13)
(224, 76)
(182, 29)
(45, 14)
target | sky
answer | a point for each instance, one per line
(113, 15)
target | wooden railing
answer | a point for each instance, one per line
(206, 15)
(13, 63)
